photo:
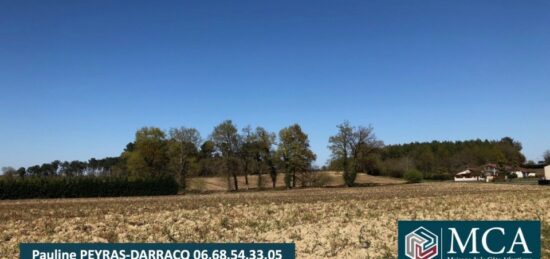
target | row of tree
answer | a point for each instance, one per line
(227, 151)
(96, 167)
(182, 152)
(86, 186)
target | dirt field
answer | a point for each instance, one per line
(329, 179)
(329, 222)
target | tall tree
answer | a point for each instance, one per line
(248, 152)
(76, 168)
(208, 159)
(341, 146)
(294, 154)
(8, 172)
(183, 152)
(512, 151)
(265, 142)
(34, 170)
(351, 145)
(21, 172)
(149, 153)
(257, 154)
(365, 147)
(227, 142)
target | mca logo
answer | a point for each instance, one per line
(421, 244)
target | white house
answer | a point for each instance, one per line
(467, 176)
(547, 172)
(519, 174)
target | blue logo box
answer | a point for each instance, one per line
(158, 251)
(469, 239)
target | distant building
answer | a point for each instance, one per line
(547, 172)
(489, 172)
(519, 174)
(469, 176)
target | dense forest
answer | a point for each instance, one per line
(442, 159)
(181, 153)
(434, 160)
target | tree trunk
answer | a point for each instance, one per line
(182, 173)
(273, 173)
(183, 178)
(246, 174)
(235, 180)
(259, 173)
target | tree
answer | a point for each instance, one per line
(106, 165)
(341, 146)
(248, 152)
(208, 160)
(149, 153)
(183, 149)
(257, 154)
(120, 167)
(9, 172)
(227, 142)
(546, 157)
(511, 150)
(34, 170)
(294, 154)
(47, 169)
(266, 140)
(93, 166)
(21, 172)
(65, 170)
(350, 145)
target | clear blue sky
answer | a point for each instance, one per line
(77, 78)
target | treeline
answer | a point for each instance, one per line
(437, 160)
(85, 186)
(182, 152)
(227, 151)
(92, 167)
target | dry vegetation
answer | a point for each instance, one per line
(324, 179)
(336, 222)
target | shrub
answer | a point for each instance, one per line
(85, 186)
(413, 176)
(319, 179)
(440, 177)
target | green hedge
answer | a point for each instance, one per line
(413, 176)
(86, 186)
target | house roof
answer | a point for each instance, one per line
(469, 172)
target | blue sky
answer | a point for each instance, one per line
(77, 78)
